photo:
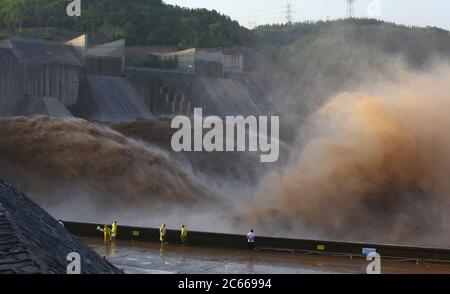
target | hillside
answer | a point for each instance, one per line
(339, 46)
(141, 22)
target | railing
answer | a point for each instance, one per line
(266, 243)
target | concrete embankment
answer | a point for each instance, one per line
(32, 242)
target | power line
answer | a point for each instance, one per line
(350, 13)
(282, 11)
(256, 15)
(289, 13)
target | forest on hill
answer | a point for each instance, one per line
(337, 47)
(141, 22)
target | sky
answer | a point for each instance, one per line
(250, 13)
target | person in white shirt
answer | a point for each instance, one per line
(251, 240)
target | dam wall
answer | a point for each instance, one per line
(110, 99)
(11, 81)
(92, 85)
(174, 92)
(45, 69)
(44, 106)
(53, 80)
(37, 70)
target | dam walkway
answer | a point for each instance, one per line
(138, 251)
(138, 257)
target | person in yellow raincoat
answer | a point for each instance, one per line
(114, 230)
(162, 233)
(184, 235)
(106, 234)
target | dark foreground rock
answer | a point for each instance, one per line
(31, 241)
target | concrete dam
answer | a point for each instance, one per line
(171, 92)
(95, 84)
